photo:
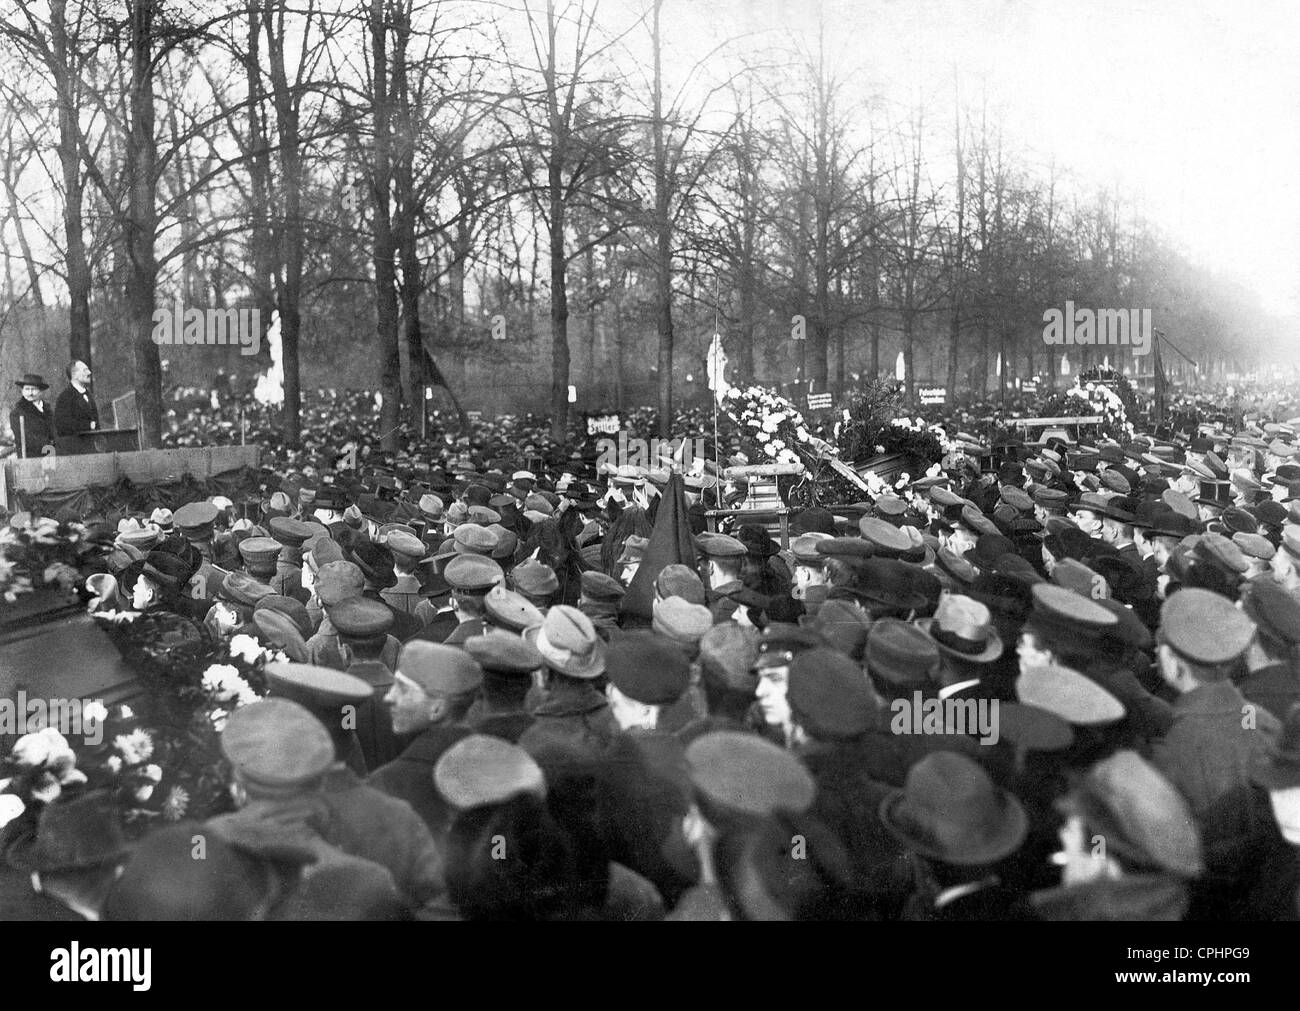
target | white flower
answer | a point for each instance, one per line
(152, 773)
(143, 793)
(770, 449)
(126, 712)
(136, 747)
(114, 764)
(11, 806)
(177, 802)
(48, 746)
(224, 682)
(246, 648)
(95, 711)
(218, 718)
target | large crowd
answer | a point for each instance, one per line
(1051, 680)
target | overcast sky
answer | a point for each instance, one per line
(1192, 106)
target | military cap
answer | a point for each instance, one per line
(744, 774)
(277, 745)
(510, 609)
(503, 653)
(536, 578)
(280, 631)
(432, 506)
(647, 668)
(337, 581)
(569, 643)
(883, 536)
(479, 770)
(438, 668)
(1221, 551)
(1273, 609)
(244, 589)
(901, 653)
(1143, 818)
(830, 697)
(294, 610)
(260, 551)
(473, 573)
(195, 519)
(680, 620)
(361, 617)
(289, 532)
(728, 653)
(600, 587)
(1074, 575)
(1062, 606)
(316, 688)
(719, 546)
(805, 550)
(679, 580)
(1018, 499)
(1070, 695)
(1204, 627)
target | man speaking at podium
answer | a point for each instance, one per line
(75, 411)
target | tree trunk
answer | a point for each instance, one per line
(390, 378)
(70, 162)
(141, 225)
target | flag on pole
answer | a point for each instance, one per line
(717, 368)
(1065, 365)
(900, 368)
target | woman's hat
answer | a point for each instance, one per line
(32, 379)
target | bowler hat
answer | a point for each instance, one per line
(32, 379)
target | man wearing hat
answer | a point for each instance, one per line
(333, 583)
(332, 696)
(723, 558)
(571, 711)
(408, 551)
(1216, 740)
(727, 655)
(280, 757)
(369, 653)
(32, 419)
(1272, 680)
(470, 577)
(433, 688)
(509, 664)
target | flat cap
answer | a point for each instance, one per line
(679, 580)
(360, 617)
(473, 573)
(1222, 552)
(977, 521)
(680, 620)
(1065, 606)
(830, 696)
(276, 744)
(471, 538)
(1205, 627)
(745, 774)
(719, 546)
(502, 653)
(1075, 576)
(244, 589)
(406, 546)
(511, 610)
(728, 653)
(536, 578)
(293, 609)
(337, 581)
(439, 668)
(1273, 609)
(259, 550)
(432, 506)
(805, 550)
(1070, 695)
(479, 770)
(600, 587)
(647, 668)
(1018, 500)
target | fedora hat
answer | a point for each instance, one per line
(963, 627)
(569, 643)
(950, 810)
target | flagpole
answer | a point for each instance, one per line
(717, 476)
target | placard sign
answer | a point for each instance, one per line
(933, 394)
(1029, 386)
(603, 424)
(819, 401)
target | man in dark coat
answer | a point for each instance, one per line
(75, 411)
(32, 419)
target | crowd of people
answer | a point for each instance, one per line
(1050, 680)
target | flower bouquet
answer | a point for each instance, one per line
(772, 430)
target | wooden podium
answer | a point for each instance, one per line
(99, 440)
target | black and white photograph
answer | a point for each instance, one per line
(613, 461)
